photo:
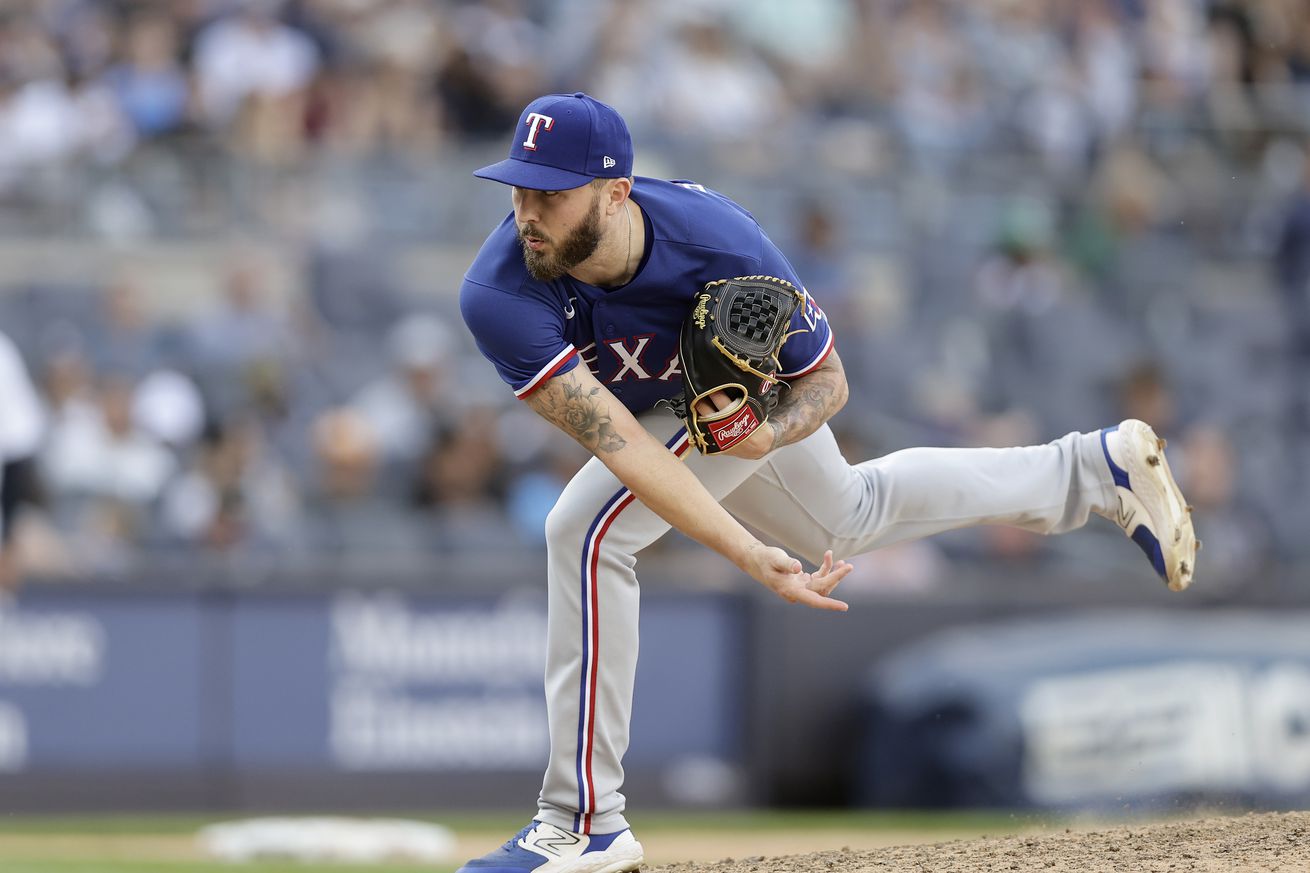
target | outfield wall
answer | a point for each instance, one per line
(149, 698)
(265, 699)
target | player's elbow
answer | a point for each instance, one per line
(841, 393)
(840, 390)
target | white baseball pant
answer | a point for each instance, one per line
(808, 498)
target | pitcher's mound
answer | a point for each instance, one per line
(1260, 843)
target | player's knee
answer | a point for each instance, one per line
(566, 527)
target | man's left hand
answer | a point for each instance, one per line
(761, 441)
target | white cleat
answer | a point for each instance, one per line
(1151, 510)
(543, 848)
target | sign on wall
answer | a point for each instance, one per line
(1100, 709)
(344, 682)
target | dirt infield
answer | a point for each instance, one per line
(1268, 843)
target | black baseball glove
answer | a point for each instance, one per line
(730, 343)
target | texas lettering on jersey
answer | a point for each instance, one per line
(629, 361)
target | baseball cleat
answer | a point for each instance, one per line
(1151, 509)
(544, 848)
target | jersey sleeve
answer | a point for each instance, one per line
(521, 336)
(805, 350)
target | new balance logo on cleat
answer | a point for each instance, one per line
(1151, 510)
(551, 841)
(544, 848)
(1125, 516)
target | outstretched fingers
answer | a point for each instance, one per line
(812, 589)
(787, 578)
(829, 574)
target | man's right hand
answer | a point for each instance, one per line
(783, 575)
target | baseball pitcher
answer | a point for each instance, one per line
(656, 323)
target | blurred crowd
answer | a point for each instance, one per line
(276, 432)
(279, 79)
(1024, 216)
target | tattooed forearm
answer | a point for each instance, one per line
(812, 400)
(580, 411)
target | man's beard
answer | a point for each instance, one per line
(575, 248)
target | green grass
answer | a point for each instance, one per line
(120, 866)
(71, 844)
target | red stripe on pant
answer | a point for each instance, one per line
(594, 587)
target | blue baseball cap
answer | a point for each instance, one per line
(563, 141)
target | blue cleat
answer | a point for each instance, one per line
(1151, 509)
(544, 848)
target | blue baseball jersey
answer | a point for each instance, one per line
(628, 336)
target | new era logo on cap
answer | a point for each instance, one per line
(563, 141)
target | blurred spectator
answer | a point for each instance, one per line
(1107, 66)
(1020, 288)
(100, 450)
(346, 520)
(1021, 46)
(235, 498)
(148, 82)
(820, 256)
(363, 108)
(103, 132)
(52, 107)
(462, 483)
(1230, 99)
(28, 48)
(250, 56)
(1145, 394)
(1238, 536)
(470, 101)
(247, 329)
(352, 291)
(1057, 123)
(252, 69)
(22, 424)
(415, 397)
(1117, 239)
(168, 406)
(1173, 50)
(373, 93)
(38, 126)
(1022, 274)
(494, 66)
(85, 35)
(243, 351)
(938, 98)
(803, 43)
(713, 87)
(123, 338)
(67, 381)
(105, 475)
(462, 464)
(1292, 276)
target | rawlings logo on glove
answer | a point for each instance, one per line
(731, 340)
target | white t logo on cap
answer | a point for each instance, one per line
(536, 122)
